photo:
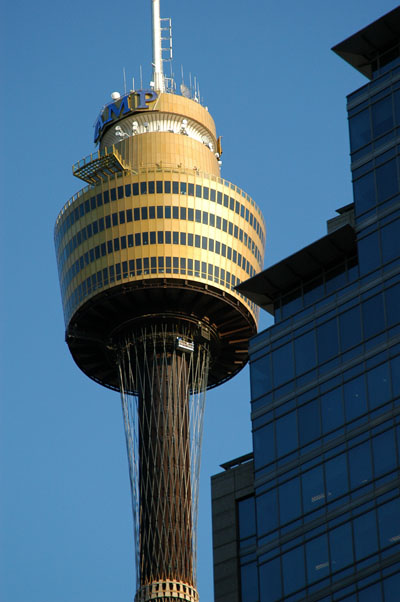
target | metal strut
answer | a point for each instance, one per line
(158, 72)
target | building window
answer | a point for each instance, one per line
(382, 116)
(360, 130)
(246, 518)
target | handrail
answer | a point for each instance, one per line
(150, 170)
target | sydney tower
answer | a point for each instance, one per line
(149, 254)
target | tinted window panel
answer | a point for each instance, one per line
(386, 180)
(350, 328)
(283, 364)
(395, 370)
(355, 398)
(332, 410)
(378, 382)
(360, 465)
(391, 587)
(289, 500)
(382, 116)
(313, 291)
(369, 253)
(309, 422)
(317, 558)
(364, 193)
(249, 582)
(293, 570)
(392, 298)
(260, 376)
(270, 581)
(313, 489)
(264, 448)
(267, 512)
(390, 240)
(373, 316)
(365, 535)
(327, 339)
(384, 454)
(247, 517)
(340, 547)
(304, 349)
(286, 434)
(360, 130)
(335, 278)
(292, 303)
(371, 594)
(396, 98)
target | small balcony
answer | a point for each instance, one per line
(99, 165)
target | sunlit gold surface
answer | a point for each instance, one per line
(167, 149)
(172, 225)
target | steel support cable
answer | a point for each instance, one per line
(175, 379)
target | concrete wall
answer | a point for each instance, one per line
(226, 488)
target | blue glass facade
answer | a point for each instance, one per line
(324, 521)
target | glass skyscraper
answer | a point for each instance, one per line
(314, 513)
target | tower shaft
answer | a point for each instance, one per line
(164, 368)
(164, 473)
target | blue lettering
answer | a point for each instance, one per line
(116, 111)
(121, 107)
(97, 128)
(143, 100)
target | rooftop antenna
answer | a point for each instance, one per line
(141, 78)
(124, 73)
(158, 74)
(184, 89)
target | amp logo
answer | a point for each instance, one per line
(129, 103)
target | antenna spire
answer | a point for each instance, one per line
(158, 73)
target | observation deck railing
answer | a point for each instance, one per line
(99, 165)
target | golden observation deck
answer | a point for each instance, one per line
(157, 230)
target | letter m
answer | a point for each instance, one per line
(115, 110)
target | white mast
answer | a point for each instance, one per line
(158, 74)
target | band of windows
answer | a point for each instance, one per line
(156, 187)
(152, 265)
(369, 531)
(150, 213)
(155, 237)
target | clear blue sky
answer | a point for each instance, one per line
(277, 94)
